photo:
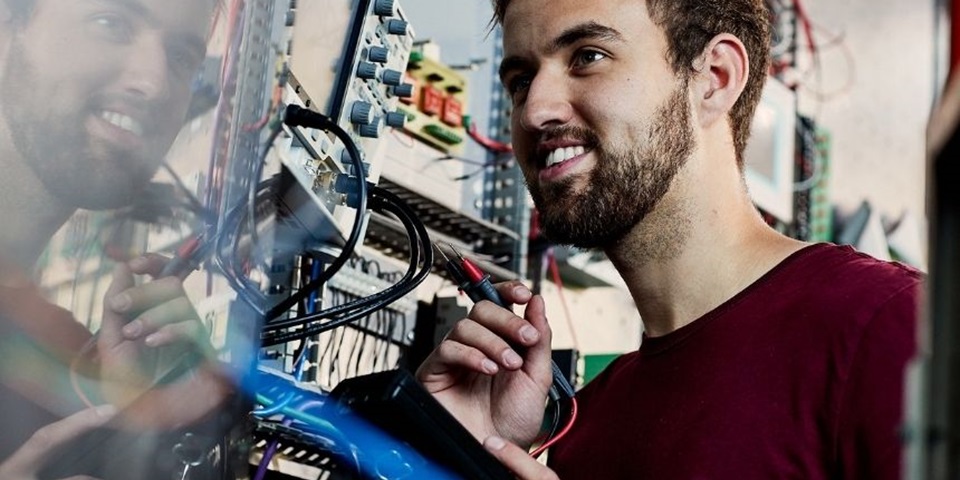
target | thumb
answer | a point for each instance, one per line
(538, 361)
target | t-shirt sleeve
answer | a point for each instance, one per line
(871, 411)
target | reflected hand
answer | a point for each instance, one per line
(148, 332)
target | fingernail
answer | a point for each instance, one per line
(529, 334)
(512, 359)
(520, 290)
(133, 328)
(489, 366)
(494, 442)
(138, 263)
(121, 302)
(106, 411)
(151, 340)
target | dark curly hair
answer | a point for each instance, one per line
(690, 25)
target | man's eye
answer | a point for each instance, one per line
(112, 27)
(584, 58)
(518, 84)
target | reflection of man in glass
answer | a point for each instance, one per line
(92, 94)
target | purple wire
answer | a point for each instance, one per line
(268, 455)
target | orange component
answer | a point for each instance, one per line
(452, 112)
(431, 101)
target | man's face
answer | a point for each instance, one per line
(601, 123)
(95, 91)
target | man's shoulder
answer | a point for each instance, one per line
(841, 291)
(840, 271)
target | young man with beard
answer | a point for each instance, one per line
(92, 95)
(762, 357)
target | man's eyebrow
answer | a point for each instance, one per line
(583, 31)
(135, 7)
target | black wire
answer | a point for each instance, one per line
(255, 183)
(333, 323)
(383, 297)
(251, 296)
(415, 230)
(355, 233)
(193, 203)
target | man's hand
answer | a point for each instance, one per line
(147, 331)
(481, 374)
(518, 460)
(35, 452)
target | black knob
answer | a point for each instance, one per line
(392, 77)
(396, 27)
(378, 54)
(384, 8)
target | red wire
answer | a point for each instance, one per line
(566, 428)
(489, 144)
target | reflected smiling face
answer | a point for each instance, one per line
(601, 123)
(95, 91)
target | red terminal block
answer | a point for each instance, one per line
(452, 112)
(431, 101)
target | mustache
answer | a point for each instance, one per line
(570, 132)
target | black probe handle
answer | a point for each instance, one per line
(483, 290)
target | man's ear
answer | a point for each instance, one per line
(720, 75)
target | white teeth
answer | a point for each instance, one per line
(561, 155)
(125, 122)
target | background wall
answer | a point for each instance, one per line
(879, 62)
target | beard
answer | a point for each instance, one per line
(623, 187)
(51, 138)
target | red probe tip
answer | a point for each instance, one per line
(473, 273)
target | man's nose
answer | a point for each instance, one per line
(146, 73)
(546, 104)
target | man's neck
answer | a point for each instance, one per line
(702, 244)
(29, 215)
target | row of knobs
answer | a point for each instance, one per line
(361, 113)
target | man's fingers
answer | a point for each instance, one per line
(452, 355)
(494, 347)
(110, 333)
(148, 264)
(504, 323)
(514, 292)
(134, 300)
(517, 460)
(539, 355)
(176, 310)
(27, 460)
(192, 332)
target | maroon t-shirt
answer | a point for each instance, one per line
(800, 375)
